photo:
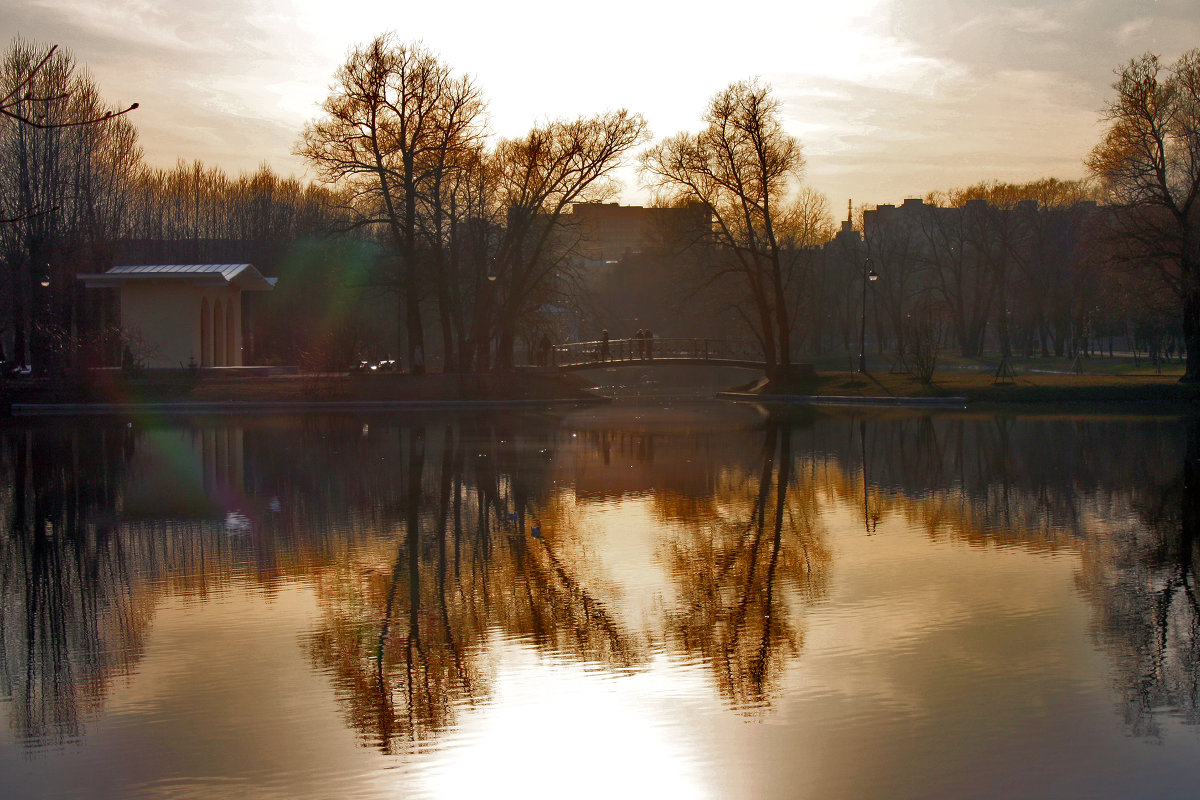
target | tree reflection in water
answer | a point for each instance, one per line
(419, 538)
(1143, 588)
(68, 622)
(745, 572)
(408, 645)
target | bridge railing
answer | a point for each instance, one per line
(623, 351)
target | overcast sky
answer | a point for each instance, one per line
(890, 98)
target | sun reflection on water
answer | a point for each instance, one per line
(553, 725)
(598, 607)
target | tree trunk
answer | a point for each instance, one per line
(504, 347)
(1191, 335)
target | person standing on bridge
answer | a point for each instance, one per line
(605, 353)
(640, 338)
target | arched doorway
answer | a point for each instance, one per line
(205, 334)
(231, 339)
(218, 334)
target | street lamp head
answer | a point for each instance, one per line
(872, 275)
(45, 281)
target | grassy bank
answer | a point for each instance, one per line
(982, 387)
(208, 387)
(1120, 384)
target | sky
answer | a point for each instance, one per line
(889, 98)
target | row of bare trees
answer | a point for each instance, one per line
(75, 195)
(474, 236)
(67, 161)
(1049, 266)
(476, 226)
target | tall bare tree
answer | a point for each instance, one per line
(66, 160)
(1149, 162)
(393, 111)
(458, 152)
(743, 165)
(538, 178)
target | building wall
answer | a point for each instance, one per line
(166, 318)
(609, 232)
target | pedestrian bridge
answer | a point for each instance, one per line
(656, 352)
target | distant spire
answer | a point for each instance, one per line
(848, 225)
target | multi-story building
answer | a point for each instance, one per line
(609, 232)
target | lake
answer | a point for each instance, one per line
(643, 599)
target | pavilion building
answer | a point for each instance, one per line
(184, 314)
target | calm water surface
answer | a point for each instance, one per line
(639, 600)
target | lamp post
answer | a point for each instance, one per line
(869, 274)
(39, 333)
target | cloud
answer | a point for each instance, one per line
(882, 145)
(891, 97)
(1080, 38)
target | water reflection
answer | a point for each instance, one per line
(68, 622)
(407, 617)
(747, 569)
(1142, 583)
(428, 539)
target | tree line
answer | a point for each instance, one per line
(1045, 267)
(77, 196)
(465, 244)
(1011, 268)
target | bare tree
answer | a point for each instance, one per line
(65, 161)
(742, 165)
(538, 178)
(391, 117)
(1149, 163)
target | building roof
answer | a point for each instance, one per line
(244, 276)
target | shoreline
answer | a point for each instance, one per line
(278, 406)
(844, 400)
(190, 393)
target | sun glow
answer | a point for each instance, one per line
(554, 724)
(560, 60)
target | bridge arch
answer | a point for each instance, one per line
(661, 352)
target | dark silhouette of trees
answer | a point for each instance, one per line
(743, 166)
(1009, 266)
(396, 124)
(538, 178)
(477, 229)
(66, 163)
(957, 245)
(1149, 163)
